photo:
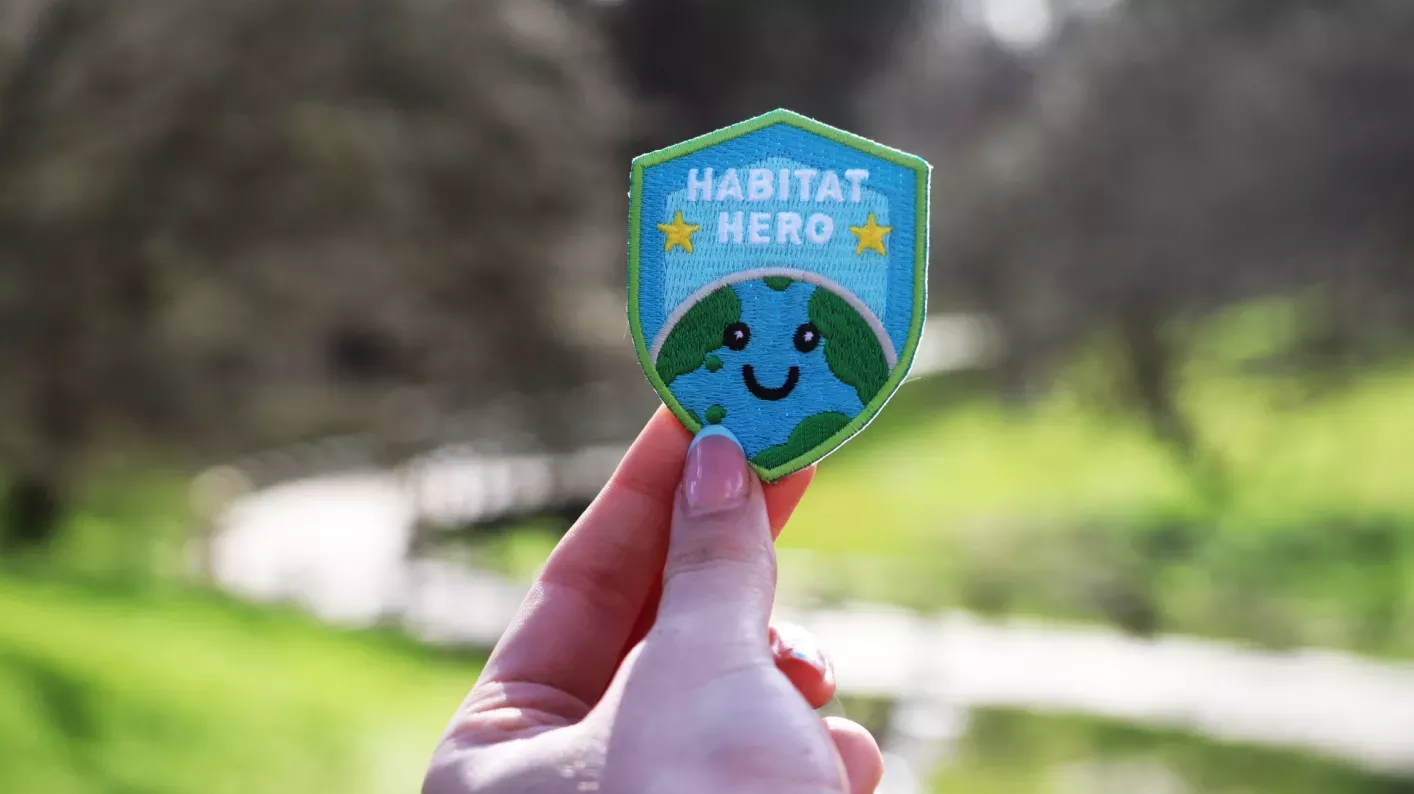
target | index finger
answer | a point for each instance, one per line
(599, 582)
(781, 496)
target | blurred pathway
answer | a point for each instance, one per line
(1329, 703)
(336, 546)
(340, 547)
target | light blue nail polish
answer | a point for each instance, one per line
(714, 430)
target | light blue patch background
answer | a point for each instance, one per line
(773, 316)
(866, 275)
(894, 184)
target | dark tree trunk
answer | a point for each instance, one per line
(30, 511)
(1151, 363)
(33, 500)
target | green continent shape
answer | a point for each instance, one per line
(698, 333)
(716, 414)
(778, 283)
(713, 364)
(809, 434)
(852, 350)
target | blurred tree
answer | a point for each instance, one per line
(700, 65)
(232, 225)
(1177, 157)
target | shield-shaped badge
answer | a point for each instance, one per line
(777, 273)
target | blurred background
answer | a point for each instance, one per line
(312, 342)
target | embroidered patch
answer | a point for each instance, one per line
(777, 273)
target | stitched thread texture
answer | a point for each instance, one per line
(776, 282)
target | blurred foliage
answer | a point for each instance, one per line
(231, 226)
(234, 227)
(1166, 160)
(700, 65)
(1295, 529)
(130, 529)
(105, 690)
(242, 225)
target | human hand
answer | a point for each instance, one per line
(614, 679)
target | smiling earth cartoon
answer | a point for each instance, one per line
(791, 361)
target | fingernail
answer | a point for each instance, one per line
(794, 641)
(716, 477)
(813, 657)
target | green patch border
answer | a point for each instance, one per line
(920, 269)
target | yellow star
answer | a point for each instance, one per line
(871, 236)
(679, 233)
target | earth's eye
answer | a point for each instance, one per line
(807, 338)
(736, 336)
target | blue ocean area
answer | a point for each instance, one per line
(773, 318)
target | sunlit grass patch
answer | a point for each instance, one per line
(124, 691)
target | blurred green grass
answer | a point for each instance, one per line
(1008, 752)
(121, 689)
(1289, 522)
(1286, 454)
(993, 508)
(131, 526)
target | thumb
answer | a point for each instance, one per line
(720, 576)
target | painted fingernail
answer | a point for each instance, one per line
(716, 477)
(801, 646)
(812, 657)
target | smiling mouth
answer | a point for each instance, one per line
(761, 392)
